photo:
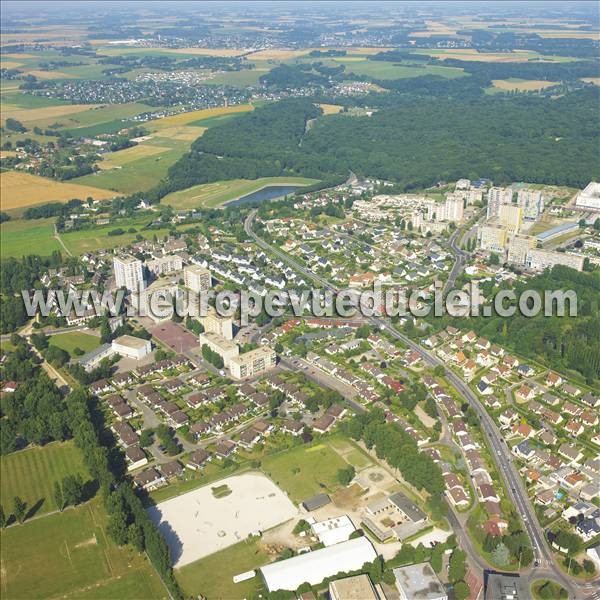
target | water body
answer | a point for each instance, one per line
(270, 192)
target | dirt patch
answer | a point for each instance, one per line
(91, 542)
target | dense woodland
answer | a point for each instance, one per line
(415, 144)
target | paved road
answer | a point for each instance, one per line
(546, 567)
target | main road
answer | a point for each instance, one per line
(544, 565)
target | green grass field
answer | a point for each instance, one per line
(88, 240)
(380, 69)
(211, 195)
(19, 238)
(31, 473)
(213, 576)
(75, 339)
(305, 471)
(68, 555)
(140, 174)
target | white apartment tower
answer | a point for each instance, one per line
(197, 278)
(532, 203)
(496, 197)
(128, 273)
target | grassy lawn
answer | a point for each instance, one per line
(305, 471)
(31, 473)
(213, 576)
(76, 339)
(214, 194)
(19, 238)
(68, 554)
(88, 240)
(135, 171)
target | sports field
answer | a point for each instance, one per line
(20, 190)
(68, 555)
(75, 339)
(207, 520)
(31, 473)
(211, 195)
(19, 238)
(305, 471)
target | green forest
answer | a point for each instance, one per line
(413, 143)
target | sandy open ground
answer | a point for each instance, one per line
(197, 524)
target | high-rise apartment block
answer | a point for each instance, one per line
(496, 197)
(197, 278)
(128, 273)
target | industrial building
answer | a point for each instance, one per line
(313, 567)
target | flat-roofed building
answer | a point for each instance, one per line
(197, 278)
(226, 349)
(313, 567)
(510, 216)
(252, 363)
(419, 582)
(128, 273)
(334, 530)
(131, 346)
(589, 198)
(165, 264)
(532, 203)
(518, 248)
(496, 197)
(215, 323)
(504, 586)
(493, 238)
(538, 260)
(358, 587)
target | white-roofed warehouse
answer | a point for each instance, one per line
(313, 567)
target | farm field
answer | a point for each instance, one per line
(381, 69)
(20, 190)
(68, 555)
(474, 55)
(139, 168)
(19, 238)
(211, 195)
(199, 577)
(305, 471)
(522, 85)
(185, 52)
(195, 115)
(75, 339)
(330, 109)
(44, 115)
(31, 473)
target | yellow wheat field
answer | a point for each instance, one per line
(197, 115)
(183, 133)
(19, 190)
(522, 86)
(330, 109)
(26, 115)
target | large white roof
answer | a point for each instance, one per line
(313, 567)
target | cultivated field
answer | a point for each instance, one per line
(128, 155)
(474, 55)
(198, 523)
(211, 195)
(29, 115)
(183, 133)
(305, 471)
(20, 190)
(75, 339)
(19, 238)
(277, 54)
(330, 109)
(522, 85)
(31, 473)
(139, 174)
(196, 115)
(68, 555)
